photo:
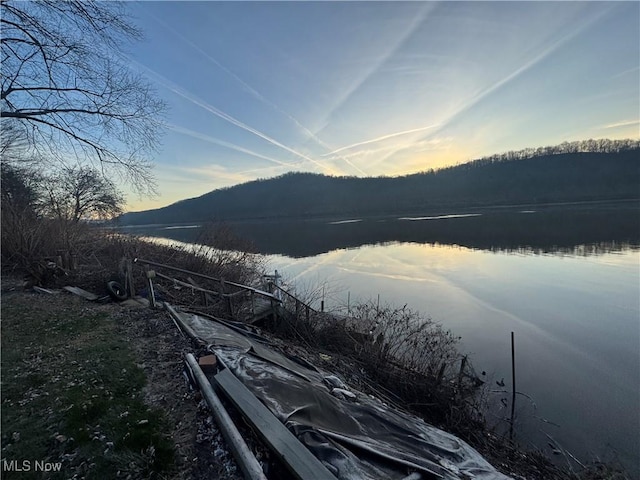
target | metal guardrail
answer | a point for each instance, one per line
(276, 294)
(241, 289)
(256, 291)
(299, 304)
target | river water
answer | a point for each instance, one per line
(564, 279)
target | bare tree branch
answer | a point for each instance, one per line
(63, 76)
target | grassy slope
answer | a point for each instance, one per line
(72, 393)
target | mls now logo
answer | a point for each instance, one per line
(28, 465)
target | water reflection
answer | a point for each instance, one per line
(575, 320)
(567, 231)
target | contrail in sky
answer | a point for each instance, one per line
(519, 71)
(622, 124)
(626, 72)
(225, 116)
(379, 139)
(215, 141)
(415, 22)
(247, 87)
(253, 91)
(509, 78)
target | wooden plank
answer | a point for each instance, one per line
(298, 459)
(243, 454)
(45, 290)
(82, 293)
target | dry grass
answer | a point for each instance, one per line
(72, 394)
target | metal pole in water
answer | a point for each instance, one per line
(513, 383)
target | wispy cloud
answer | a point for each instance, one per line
(263, 170)
(626, 72)
(216, 173)
(626, 123)
(198, 179)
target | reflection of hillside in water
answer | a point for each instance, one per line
(576, 231)
(576, 251)
(556, 231)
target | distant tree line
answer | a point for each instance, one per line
(602, 145)
(577, 171)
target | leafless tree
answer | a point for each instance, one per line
(65, 79)
(77, 193)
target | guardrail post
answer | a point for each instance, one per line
(463, 364)
(274, 311)
(152, 296)
(229, 297)
(253, 304)
(129, 275)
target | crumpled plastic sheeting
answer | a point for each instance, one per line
(359, 438)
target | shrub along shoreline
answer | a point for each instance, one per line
(436, 383)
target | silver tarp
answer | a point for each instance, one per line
(355, 435)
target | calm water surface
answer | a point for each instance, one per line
(575, 321)
(567, 284)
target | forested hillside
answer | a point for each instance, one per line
(609, 170)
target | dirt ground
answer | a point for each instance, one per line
(201, 452)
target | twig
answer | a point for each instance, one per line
(564, 453)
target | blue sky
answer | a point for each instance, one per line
(256, 90)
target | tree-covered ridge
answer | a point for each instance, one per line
(602, 145)
(577, 171)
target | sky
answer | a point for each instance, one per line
(259, 89)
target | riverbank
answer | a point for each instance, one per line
(140, 330)
(97, 391)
